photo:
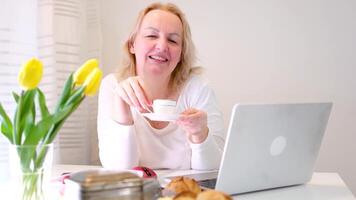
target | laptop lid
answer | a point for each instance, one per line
(271, 145)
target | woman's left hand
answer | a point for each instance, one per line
(194, 123)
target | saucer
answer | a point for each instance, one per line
(161, 117)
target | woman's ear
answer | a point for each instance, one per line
(131, 48)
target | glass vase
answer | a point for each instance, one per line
(30, 167)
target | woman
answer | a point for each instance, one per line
(160, 57)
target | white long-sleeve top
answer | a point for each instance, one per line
(126, 146)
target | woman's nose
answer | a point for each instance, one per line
(162, 45)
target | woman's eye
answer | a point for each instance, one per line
(151, 36)
(173, 41)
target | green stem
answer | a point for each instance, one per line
(32, 160)
(17, 134)
(32, 185)
(41, 156)
(53, 132)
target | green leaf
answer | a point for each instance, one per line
(42, 103)
(16, 96)
(27, 131)
(6, 125)
(53, 132)
(17, 119)
(77, 94)
(26, 155)
(29, 98)
(41, 156)
(58, 118)
(60, 115)
(66, 92)
(38, 132)
(28, 114)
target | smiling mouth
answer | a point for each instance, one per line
(158, 58)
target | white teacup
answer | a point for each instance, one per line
(164, 106)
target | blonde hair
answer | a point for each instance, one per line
(184, 67)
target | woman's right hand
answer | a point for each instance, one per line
(132, 93)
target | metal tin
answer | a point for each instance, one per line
(110, 185)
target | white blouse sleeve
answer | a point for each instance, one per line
(118, 147)
(207, 155)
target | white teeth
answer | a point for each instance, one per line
(158, 58)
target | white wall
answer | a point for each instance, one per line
(269, 51)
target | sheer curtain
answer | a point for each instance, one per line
(63, 34)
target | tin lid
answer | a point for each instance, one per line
(101, 179)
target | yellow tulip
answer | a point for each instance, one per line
(92, 82)
(30, 74)
(82, 73)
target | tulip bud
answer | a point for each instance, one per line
(30, 74)
(82, 73)
(92, 82)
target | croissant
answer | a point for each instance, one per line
(213, 195)
(184, 184)
(185, 196)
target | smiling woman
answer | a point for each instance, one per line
(164, 21)
(159, 65)
(158, 44)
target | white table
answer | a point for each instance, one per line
(323, 186)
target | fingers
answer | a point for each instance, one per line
(142, 86)
(190, 114)
(139, 93)
(189, 111)
(124, 96)
(192, 118)
(194, 123)
(133, 94)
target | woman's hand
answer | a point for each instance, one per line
(132, 93)
(194, 123)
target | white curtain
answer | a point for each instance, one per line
(63, 34)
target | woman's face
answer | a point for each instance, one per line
(158, 44)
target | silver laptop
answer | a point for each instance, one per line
(269, 146)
